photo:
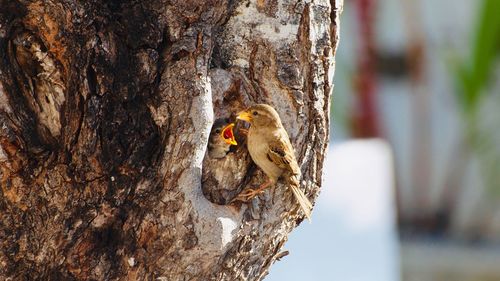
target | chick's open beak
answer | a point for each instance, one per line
(245, 116)
(228, 135)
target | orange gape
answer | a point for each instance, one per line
(228, 135)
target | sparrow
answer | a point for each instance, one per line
(270, 148)
(221, 138)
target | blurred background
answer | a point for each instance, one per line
(412, 180)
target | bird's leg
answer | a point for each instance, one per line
(249, 194)
(264, 186)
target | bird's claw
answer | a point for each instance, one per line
(248, 195)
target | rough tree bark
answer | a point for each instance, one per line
(105, 111)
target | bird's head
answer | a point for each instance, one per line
(260, 115)
(223, 130)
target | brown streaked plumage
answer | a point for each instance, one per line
(270, 148)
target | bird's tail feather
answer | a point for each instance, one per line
(304, 203)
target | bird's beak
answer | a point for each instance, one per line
(245, 116)
(228, 135)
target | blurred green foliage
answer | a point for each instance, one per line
(474, 78)
(475, 74)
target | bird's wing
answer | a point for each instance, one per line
(281, 153)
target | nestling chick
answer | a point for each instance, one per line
(221, 138)
(270, 148)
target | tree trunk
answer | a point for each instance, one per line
(105, 112)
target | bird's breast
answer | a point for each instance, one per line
(258, 146)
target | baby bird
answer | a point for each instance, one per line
(270, 148)
(221, 138)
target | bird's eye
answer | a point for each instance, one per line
(255, 113)
(217, 131)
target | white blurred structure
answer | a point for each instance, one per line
(352, 236)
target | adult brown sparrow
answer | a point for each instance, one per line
(270, 148)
